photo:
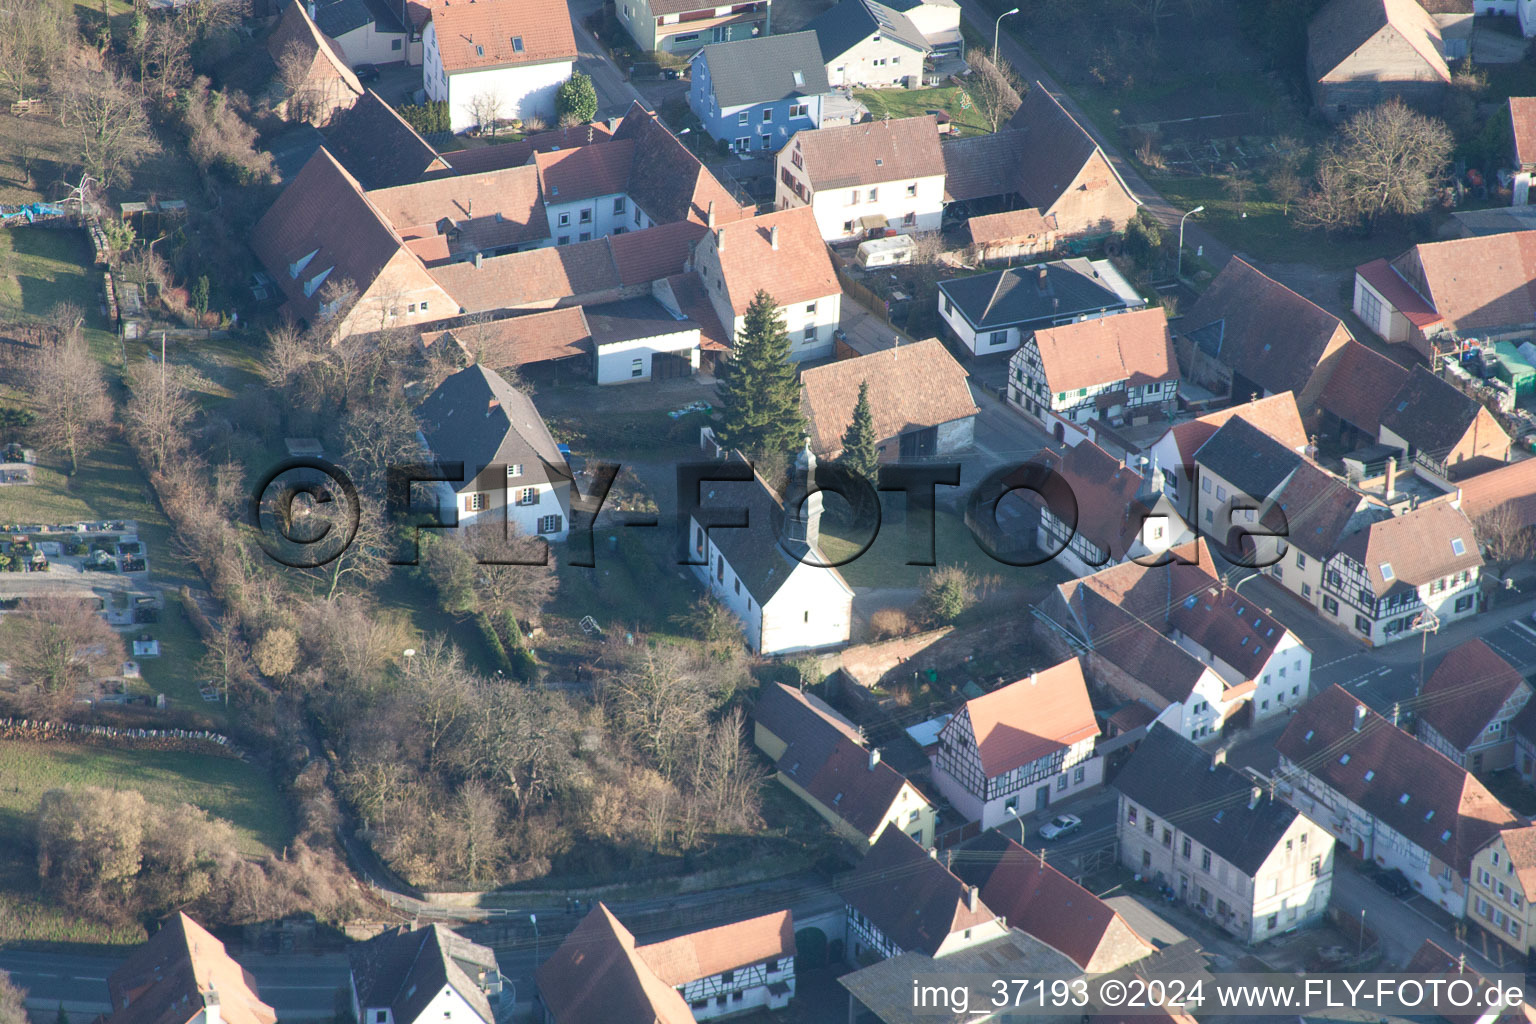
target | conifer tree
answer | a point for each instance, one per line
(859, 452)
(759, 394)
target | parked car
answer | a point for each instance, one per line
(1060, 825)
(366, 72)
(672, 74)
(1394, 882)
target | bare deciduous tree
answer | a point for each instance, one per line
(1504, 535)
(35, 37)
(13, 1009)
(486, 108)
(74, 410)
(111, 126)
(993, 88)
(1387, 159)
(160, 408)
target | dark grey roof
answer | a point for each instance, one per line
(983, 165)
(338, 17)
(378, 147)
(754, 552)
(763, 69)
(1019, 295)
(1429, 413)
(614, 322)
(405, 970)
(1175, 780)
(1248, 458)
(846, 25)
(477, 418)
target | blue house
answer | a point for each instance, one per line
(755, 93)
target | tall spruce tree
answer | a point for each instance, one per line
(759, 395)
(859, 452)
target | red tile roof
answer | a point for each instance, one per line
(693, 303)
(169, 978)
(1472, 283)
(1011, 225)
(1466, 691)
(912, 898)
(497, 33)
(655, 253)
(585, 172)
(1361, 381)
(597, 976)
(1276, 416)
(704, 954)
(1393, 287)
(910, 387)
(667, 180)
(474, 212)
(1134, 347)
(1512, 487)
(896, 149)
(549, 274)
(1522, 116)
(1108, 514)
(799, 270)
(297, 33)
(1419, 546)
(1026, 720)
(518, 340)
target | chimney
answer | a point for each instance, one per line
(773, 237)
(933, 854)
(1391, 478)
(972, 898)
(469, 209)
(709, 216)
(1254, 795)
(874, 757)
(1032, 676)
(479, 260)
(1220, 757)
(1359, 716)
(720, 239)
(1041, 280)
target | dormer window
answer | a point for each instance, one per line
(479, 51)
(297, 267)
(1403, 799)
(1370, 773)
(799, 78)
(314, 283)
(1344, 759)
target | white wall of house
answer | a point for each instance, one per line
(447, 1007)
(1080, 771)
(1288, 668)
(582, 220)
(525, 90)
(367, 45)
(810, 326)
(1378, 314)
(877, 62)
(908, 207)
(990, 341)
(714, 996)
(528, 506)
(627, 361)
(813, 608)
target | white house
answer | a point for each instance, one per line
(782, 590)
(427, 976)
(1387, 797)
(938, 21)
(1172, 456)
(1116, 368)
(781, 253)
(993, 312)
(640, 339)
(518, 51)
(869, 46)
(1249, 862)
(513, 470)
(599, 973)
(585, 190)
(1008, 753)
(863, 180)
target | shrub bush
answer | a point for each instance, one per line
(889, 622)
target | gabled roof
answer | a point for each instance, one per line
(1029, 719)
(910, 387)
(1010, 225)
(1446, 811)
(1223, 621)
(693, 302)
(667, 180)
(378, 147)
(515, 154)
(849, 22)
(1429, 413)
(764, 69)
(534, 275)
(1417, 546)
(585, 172)
(1247, 458)
(1134, 347)
(704, 954)
(1036, 898)
(1056, 290)
(502, 33)
(912, 898)
(1512, 487)
(1276, 416)
(1109, 513)
(1055, 148)
(1213, 803)
(1361, 381)
(1521, 845)
(598, 977)
(1344, 26)
(787, 712)
(403, 971)
(1476, 283)
(799, 270)
(982, 165)
(1314, 510)
(298, 34)
(1260, 328)
(656, 252)
(897, 149)
(613, 323)
(471, 212)
(519, 340)
(477, 418)
(1133, 644)
(170, 978)
(1466, 691)
(1389, 282)
(1522, 116)
(323, 221)
(338, 17)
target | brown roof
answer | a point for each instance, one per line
(1131, 643)
(656, 252)
(1262, 329)
(297, 32)
(982, 165)
(1393, 287)
(169, 978)
(474, 212)
(1026, 720)
(898, 149)
(323, 211)
(912, 898)
(516, 340)
(1108, 514)
(1220, 619)
(1011, 225)
(378, 147)
(1316, 509)
(1475, 283)
(704, 954)
(499, 33)
(1344, 26)
(798, 271)
(585, 172)
(693, 302)
(1466, 691)
(787, 712)
(1034, 897)
(1448, 812)
(910, 387)
(1055, 149)
(1522, 115)
(1134, 347)
(1521, 844)
(537, 275)
(514, 154)
(1431, 414)
(1512, 486)
(1419, 546)
(598, 977)
(1361, 381)
(1276, 416)
(667, 180)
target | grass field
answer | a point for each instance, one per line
(916, 102)
(224, 787)
(884, 564)
(40, 267)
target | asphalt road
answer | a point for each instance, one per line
(614, 94)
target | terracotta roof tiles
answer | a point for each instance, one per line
(1511, 487)
(1361, 381)
(910, 387)
(1134, 347)
(166, 980)
(499, 33)
(1476, 283)
(799, 270)
(1522, 116)
(1031, 718)
(706, 953)
(1428, 543)
(1466, 691)
(898, 149)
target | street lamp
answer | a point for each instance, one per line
(1179, 263)
(533, 919)
(997, 28)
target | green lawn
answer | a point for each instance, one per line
(40, 267)
(224, 787)
(915, 102)
(884, 564)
